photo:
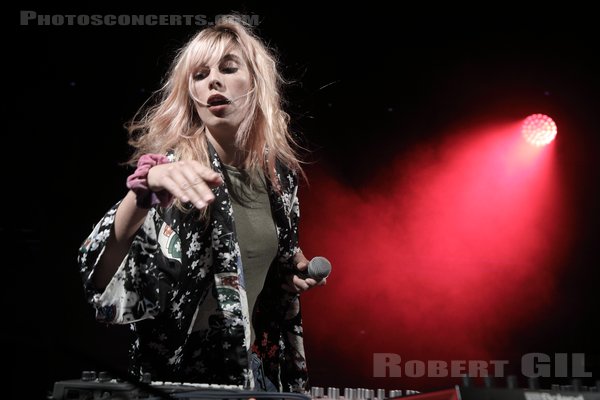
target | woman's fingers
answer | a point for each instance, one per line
(295, 284)
(188, 181)
(195, 185)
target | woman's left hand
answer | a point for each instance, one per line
(294, 283)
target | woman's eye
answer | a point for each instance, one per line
(198, 76)
(229, 70)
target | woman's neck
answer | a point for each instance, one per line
(224, 144)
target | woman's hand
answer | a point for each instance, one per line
(295, 284)
(188, 181)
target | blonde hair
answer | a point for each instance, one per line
(172, 124)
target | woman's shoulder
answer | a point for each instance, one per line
(287, 176)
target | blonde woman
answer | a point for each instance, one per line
(201, 256)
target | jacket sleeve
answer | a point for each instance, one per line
(294, 371)
(133, 292)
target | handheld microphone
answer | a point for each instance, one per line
(318, 268)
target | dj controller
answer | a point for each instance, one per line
(94, 386)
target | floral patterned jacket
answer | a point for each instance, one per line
(179, 269)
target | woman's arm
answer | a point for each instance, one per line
(188, 181)
(128, 219)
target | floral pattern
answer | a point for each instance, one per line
(179, 267)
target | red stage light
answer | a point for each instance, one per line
(539, 129)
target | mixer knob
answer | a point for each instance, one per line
(349, 393)
(333, 393)
(512, 382)
(316, 392)
(146, 378)
(88, 376)
(466, 380)
(104, 376)
(533, 383)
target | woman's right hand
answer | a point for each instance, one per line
(188, 181)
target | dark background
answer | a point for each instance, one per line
(357, 77)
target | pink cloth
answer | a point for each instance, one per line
(138, 182)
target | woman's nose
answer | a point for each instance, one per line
(215, 81)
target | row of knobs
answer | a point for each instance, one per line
(103, 377)
(317, 392)
(90, 376)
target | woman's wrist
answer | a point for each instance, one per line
(138, 182)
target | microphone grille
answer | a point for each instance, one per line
(319, 268)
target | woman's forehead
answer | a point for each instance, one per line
(230, 52)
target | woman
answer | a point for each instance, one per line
(200, 255)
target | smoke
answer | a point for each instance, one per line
(448, 253)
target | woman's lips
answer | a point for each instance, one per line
(219, 109)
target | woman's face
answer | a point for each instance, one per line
(222, 90)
